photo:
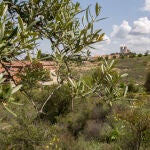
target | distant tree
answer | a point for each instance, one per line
(147, 83)
(122, 57)
(140, 55)
(132, 55)
(114, 57)
(146, 53)
(100, 58)
(106, 58)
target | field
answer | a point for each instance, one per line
(137, 68)
(93, 125)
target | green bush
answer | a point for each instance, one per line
(122, 56)
(76, 123)
(92, 130)
(140, 55)
(147, 83)
(133, 87)
(58, 104)
(24, 134)
(97, 130)
(100, 112)
(83, 144)
(136, 122)
(114, 57)
(106, 58)
(132, 55)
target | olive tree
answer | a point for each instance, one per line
(55, 20)
(25, 22)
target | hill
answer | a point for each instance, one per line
(137, 68)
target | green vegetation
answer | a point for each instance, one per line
(104, 109)
(147, 83)
(137, 68)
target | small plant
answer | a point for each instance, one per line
(6, 92)
(132, 87)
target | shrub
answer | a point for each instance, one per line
(92, 130)
(76, 123)
(132, 55)
(106, 58)
(122, 56)
(133, 88)
(114, 57)
(96, 126)
(146, 54)
(24, 135)
(147, 83)
(140, 55)
(83, 144)
(100, 112)
(58, 104)
(136, 122)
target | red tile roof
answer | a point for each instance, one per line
(17, 66)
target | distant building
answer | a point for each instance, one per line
(124, 50)
(15, 67)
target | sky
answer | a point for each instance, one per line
(127, 23)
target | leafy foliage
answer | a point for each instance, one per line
(32, 74)
(16, 38)
(78, 106)
(6, 92)
(105, 83)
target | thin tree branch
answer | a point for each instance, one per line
(41, 110)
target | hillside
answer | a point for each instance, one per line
(136, 68)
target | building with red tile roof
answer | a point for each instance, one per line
(15, 67)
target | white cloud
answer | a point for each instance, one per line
(141, 26)
(121, 31)
(107, 39)
(102, 47)
(138, 41)
(136, 37)
(146, 6)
